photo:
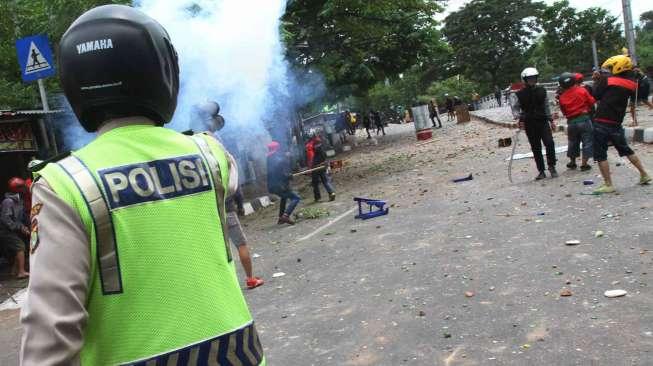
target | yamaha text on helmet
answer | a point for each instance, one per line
(114, 62)
(530, 74)
(567, 80)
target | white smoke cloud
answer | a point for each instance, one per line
(230, 52)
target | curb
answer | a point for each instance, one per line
(501, 124)
(634, 134)
(257, 204)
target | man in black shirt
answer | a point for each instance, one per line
(612, 93)
(535, 117)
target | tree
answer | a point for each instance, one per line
(356, 44)
(489, 38)
(645, 41)
(567, 42)
(24, 18)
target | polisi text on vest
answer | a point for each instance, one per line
(154, 180)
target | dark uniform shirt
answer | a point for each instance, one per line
(612, 94)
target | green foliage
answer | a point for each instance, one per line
(22, 18)
(489, 38)
(567, 42)
(645, 48)
(454, 86)
(646, 19)
(356, 44)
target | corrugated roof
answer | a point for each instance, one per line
(29, 112)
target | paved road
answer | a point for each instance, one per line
(391, 290)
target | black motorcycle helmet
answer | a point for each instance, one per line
(114, 62)
(566, 80)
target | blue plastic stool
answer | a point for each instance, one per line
(378, 204)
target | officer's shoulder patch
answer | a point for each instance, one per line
(36, 209)
(45, 162)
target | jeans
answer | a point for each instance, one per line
(285, 196)
(539, 132)
(580, 129)
(316, 178)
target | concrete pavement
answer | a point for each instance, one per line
(456, 274)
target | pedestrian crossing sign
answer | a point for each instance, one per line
(35, 57)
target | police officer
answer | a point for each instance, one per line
(534, 115)
(130, 261)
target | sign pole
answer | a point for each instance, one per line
(46, 108)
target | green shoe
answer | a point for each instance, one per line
(644, 180)
(604, 189)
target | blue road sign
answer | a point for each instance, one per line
(35, 57)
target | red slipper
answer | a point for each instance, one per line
(254, 282)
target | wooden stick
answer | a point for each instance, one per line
(309, 170)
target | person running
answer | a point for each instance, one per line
(131, 263)
(576, 104)
(367, 123)
(613, 93)
(532, 109)
(497, 94)
(279, 175)
(207, 117)
(433, 113)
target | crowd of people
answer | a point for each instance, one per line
(594, 117)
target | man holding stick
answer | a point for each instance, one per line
(315, 156)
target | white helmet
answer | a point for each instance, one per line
(529, 72)
(33, 163)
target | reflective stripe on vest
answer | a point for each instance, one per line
(105, 237)
(621, 82)
(238, 348)
(216, 178)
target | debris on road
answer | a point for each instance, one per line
(615, 293)
(565, 293)
(464, 179)
(469, 293)
(572, 242)
(371, 205)
(588, 182)
(311, 213)
(598, 234)
(278, 274)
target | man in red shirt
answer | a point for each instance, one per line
(613, 93)
(576, 104)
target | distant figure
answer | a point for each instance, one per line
(315, 156)
(279, 176)
(644, 87)
(377, 121)
(433, 113)
(367, 123)
(449, 104)
(576, 104)
(476, 100)
(497, 94)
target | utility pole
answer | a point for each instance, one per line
(595, 54)
(629, 29)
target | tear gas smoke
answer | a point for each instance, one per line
(230, 51)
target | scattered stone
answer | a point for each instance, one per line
(278, 274)
(469, 293)
(422, 313)
(572, 242)
(598, 234)
(353, 231)
(565, 293)
(568, 195)
(299, 260)
(446, 335)
(492, 288)
(615, 293)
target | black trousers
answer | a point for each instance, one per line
(433, 120)
(539, 132)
